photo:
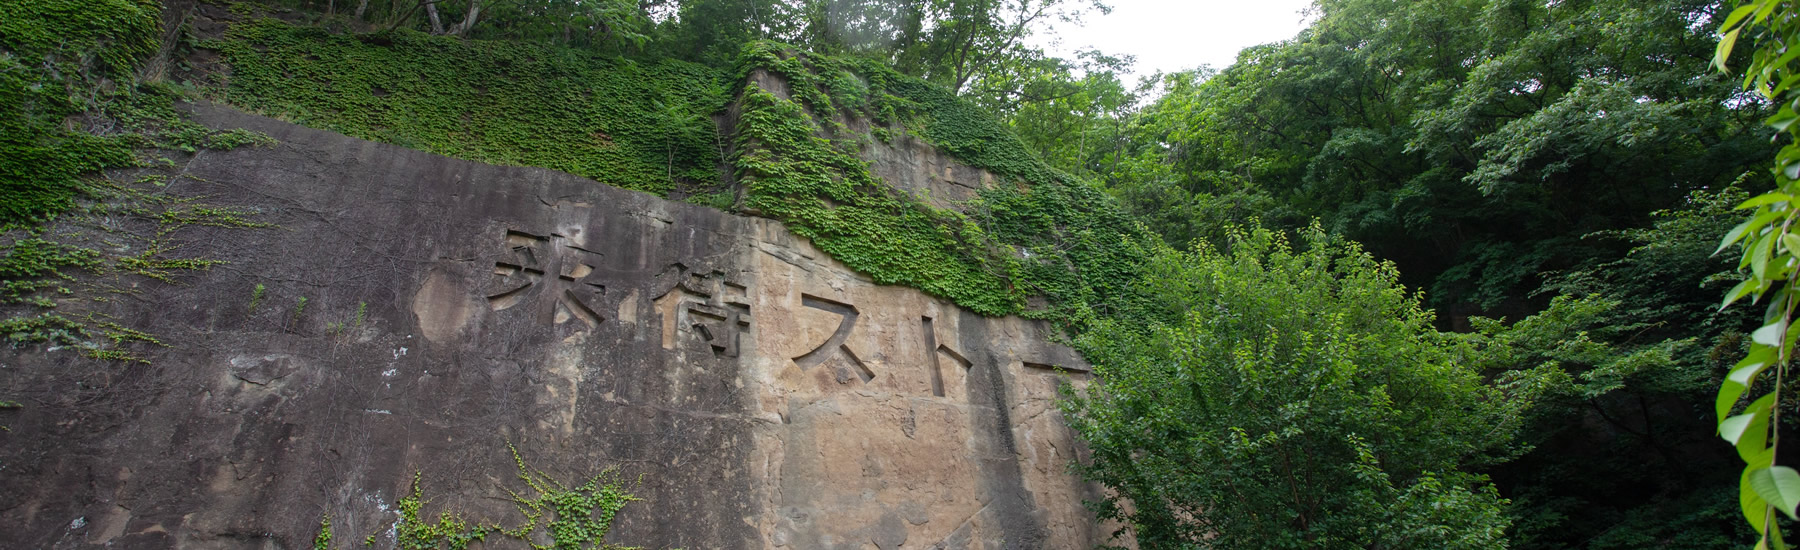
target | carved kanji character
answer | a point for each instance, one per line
(556, 299)
(719, 310)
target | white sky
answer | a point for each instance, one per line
(1173, 35)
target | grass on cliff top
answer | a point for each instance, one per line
(643, 126)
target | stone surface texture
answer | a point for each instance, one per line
(758, 393)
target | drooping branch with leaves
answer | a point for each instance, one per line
(1771, 254)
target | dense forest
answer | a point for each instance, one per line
(1430, 274)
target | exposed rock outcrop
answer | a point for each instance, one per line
(765, 395)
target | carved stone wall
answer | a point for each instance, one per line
(765, 396)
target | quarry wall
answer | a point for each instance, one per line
(411, 316)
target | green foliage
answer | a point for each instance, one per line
(1473, 142)
(1770, 254)
(322, 541)
(1615, 447)
(570, 518)
(71, 105)
(86, 332)
(1295, 398)
(573, 519)
(449, 532)
(977, 48)
(647, 126)
(579, 23)
(642, 126)
(33, 264)
(36, 273)
(45, 327)
(1040, 233)
(256, 295)
(299, 309)
(1640, 470)
(54, 54)
(1075, 123)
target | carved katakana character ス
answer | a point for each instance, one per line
(834, 347)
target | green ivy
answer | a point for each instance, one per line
(71, 104)
(643, 126)
(322, 541)
(574, 518)
(33, 264)
(54, 56)
(1040, 232)
(449, 531)
(648, 126)
(570, 518)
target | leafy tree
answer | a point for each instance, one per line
(1487, 146)
(1071, 121)
(1624, 458)
(714, 31)
(950, 42)
(1295, 399)
(1473, 142)
(977, 48)
(589, 23)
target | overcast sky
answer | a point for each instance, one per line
(1172, 35)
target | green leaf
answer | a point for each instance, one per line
(1749, 432)
(1779, 486)
(1733, 236)
(1740, 378)
(1764, 8)
(1765, 198)
(1754, 441)
(1780, 121)
(1759, 256)
(1756, 510)
(1770, 335)
(1743, 288)
(1733, 428)
(1724, 50)
(1737, 16)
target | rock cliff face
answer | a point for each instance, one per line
(415, 314)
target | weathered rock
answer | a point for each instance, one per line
(766, 396)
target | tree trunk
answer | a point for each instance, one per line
(437, 25)
(360, 8)
(468, 21)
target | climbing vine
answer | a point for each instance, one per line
(649, 126)
(643, 126)
(54, 54)
(1039, 233)
(71, 105)
(570, 518)
(322, 541)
